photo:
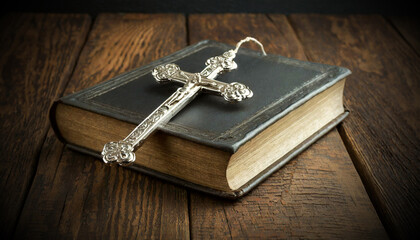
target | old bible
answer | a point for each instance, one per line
(211, 145)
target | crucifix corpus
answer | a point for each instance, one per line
(122, 152)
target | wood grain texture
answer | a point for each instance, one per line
(224, 28)
(37, 56)
(316, 195)
(77, 196)
(382, 133)
(408, 26)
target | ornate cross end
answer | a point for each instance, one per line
(220, 64)
(118, 152)
(235, 92)
(122, 152)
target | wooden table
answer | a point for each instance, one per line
(359, 181)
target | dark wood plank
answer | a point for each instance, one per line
(408, 26)
(317, 195)
(77, 196)
(37, 55)
(382, 133)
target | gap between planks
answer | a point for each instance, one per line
(23, 31)
(32, 217)
(258, 24)
(383, 152)
(346, 142)
(60, 94)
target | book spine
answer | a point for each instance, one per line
(53, 121)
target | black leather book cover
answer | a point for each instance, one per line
(279, 84)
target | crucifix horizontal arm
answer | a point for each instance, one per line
(231, 92)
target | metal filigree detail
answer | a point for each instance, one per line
(165, 72)
(223, 62)
(149, 121)
(236, 92)
(119, 152)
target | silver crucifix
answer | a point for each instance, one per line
(122, 152)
